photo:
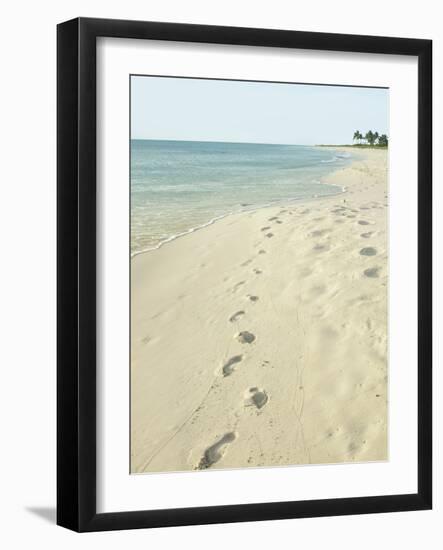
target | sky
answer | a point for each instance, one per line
(254, 112)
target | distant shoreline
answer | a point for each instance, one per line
(356, 146)
(362, 146)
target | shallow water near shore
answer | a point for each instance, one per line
(179, 186)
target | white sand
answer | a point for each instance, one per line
(306, 380)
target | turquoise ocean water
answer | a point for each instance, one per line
(180, 186)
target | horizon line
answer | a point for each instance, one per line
(233, 142)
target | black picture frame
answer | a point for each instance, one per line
(76, 278)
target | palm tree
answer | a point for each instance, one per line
(376, 136)
(357, 136)
(383, 140)
(369, 137)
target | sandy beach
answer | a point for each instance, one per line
(261, 340)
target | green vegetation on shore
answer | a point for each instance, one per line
(355, 145)
(371, 140)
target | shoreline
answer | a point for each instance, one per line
(261, 341)
(277, 203)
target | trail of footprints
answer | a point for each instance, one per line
(253, 396)
(343, 211)
(258, 397)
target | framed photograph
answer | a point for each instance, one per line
(244, 274)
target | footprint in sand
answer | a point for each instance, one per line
(317, 290)
(264, 228)
(321, 248)
(262, 251)
(228, 367)
(253, 298)
(255, 397)
(319, 232)
(278, 221)
(372, 272)
(236, 316)
(367, 235)
(363, 222)
(245, 337)
(305, 272)
(273, 219)
(368, 251)
(269, 235)
(258, 271)
(238, 285)
(216, 451)
(245, 263)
